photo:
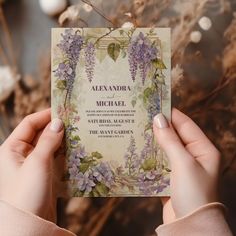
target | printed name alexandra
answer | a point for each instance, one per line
(111, 88)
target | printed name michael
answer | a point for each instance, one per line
(110, 103)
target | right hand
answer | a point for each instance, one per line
(194, 161)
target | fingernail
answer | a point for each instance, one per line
(160, 121)
(56, 125)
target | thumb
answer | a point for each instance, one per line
(170, 142)
(50, 140)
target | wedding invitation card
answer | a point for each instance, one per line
(107, 85)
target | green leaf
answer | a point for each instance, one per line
(102, 189)
(149, 164)
(96, 155)
(72, 128)
(84, 167)
(146, 94)
(148, 126)
(167, 169)
(76, 137)
(113, 50)
(61, 84)
(94, 193)
(160, 79)
(133, 102)
(121, 32)
(158, 64)
(123, 53)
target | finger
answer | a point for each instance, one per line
(188, 131)
(21, 148)
(29, 127)
(36, 138)
(168, 211)
(196, 142)
(164, 200)
(170, 142)
(49, 141)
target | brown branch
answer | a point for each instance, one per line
(3, 56)
(110, 30)
(210, 96)
(96, 223)
(7, 36)
(98, 11)
(4, 124)
(229, 164)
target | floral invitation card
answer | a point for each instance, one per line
(107, 85)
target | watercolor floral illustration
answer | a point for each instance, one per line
(142, 172)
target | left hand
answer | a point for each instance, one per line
(26, 164)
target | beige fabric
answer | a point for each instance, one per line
(208, 220)
(15, 222)
(205, 221)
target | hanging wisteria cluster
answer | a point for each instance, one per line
(141, 52)
(71, 45)
(90, 61)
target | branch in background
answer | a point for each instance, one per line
(71, 14)
(5, 126)
(98, 11)
(3, 56)
(8, 38)
(110, 30)
(99, 220)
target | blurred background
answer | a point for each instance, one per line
(203, 86)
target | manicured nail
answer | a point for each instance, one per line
(160, 121)
(56, 125)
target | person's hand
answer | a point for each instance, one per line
(26, 164)
(194, 161)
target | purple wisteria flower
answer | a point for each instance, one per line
(140, 54)
(147, 149)
(81, 152)
(149, 175)
(70, 45)
(103, 173)
(85, 181)
(73, 172)
(63, 71)
(131, 157)
(152, 182)
(94, 174)
(74, 158)
(90, 60)
(154, 105)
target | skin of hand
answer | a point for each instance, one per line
(194, 162)
(26, 164)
